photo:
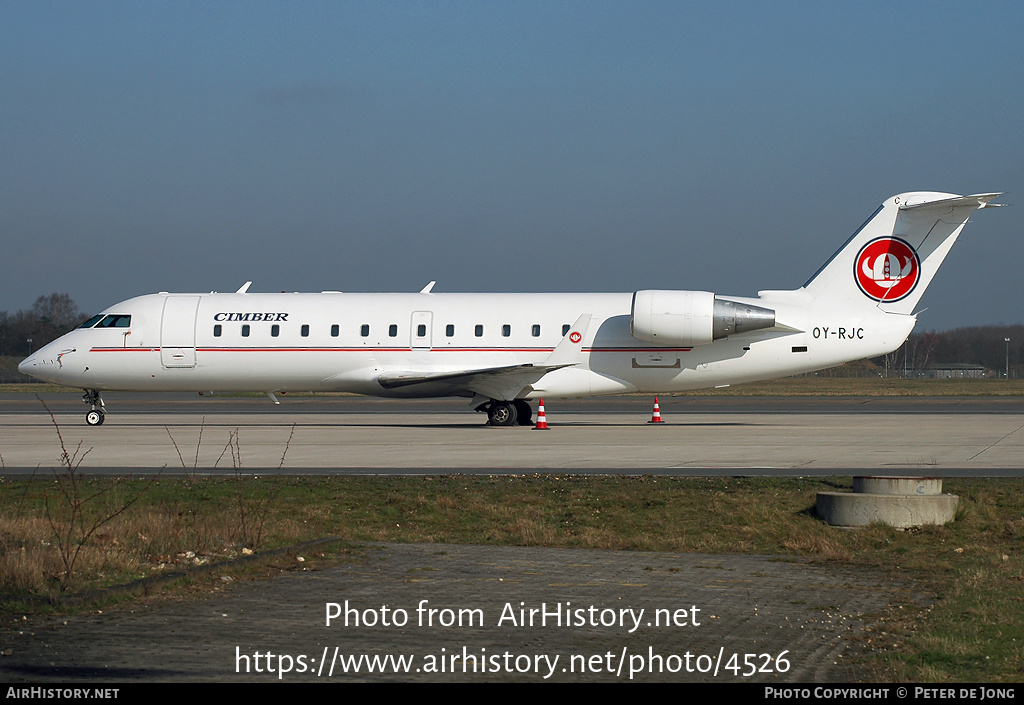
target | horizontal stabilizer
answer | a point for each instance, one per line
(980, 200)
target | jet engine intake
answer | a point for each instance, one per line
(690, 318)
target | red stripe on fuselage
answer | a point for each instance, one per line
(377, 349)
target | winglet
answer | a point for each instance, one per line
(569, 349)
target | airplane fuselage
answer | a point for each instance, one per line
(345, 342)
(502, 350)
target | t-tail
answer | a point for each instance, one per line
(892, 258)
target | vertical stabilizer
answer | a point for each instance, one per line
(892, 258)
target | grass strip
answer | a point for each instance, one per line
(973, 630)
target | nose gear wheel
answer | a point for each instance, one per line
(97, 414)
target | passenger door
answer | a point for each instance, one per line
(178, 331)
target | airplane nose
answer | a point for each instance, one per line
(40, 365)
(26, 366)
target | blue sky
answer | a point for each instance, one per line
(498, 146)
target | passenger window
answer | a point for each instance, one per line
(506, 330)
(364, 330)
(217, 330)
(305, 330)
(566, 327)
(245, 330)
(335, 330)
(479, 331)
(536, 330)
(421, 330)
(449, 330)
(275, 330)
(393, 330)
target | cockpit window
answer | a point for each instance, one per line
(115, 320)
(92, 321)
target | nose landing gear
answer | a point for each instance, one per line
(95, 416)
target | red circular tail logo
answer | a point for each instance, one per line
(887, 269)
(575, 337)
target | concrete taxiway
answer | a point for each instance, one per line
(945, 436)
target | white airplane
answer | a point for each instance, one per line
(502, 350)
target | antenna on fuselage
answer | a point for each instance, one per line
(244, 288)
(427, 288)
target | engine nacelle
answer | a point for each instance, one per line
(689, 318)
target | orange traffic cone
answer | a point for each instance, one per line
(656, 417)
(542, 420)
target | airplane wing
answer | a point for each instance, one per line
(504, 382)
(494, 382)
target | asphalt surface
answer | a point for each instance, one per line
(771, 436)
(188, 403)
(706, 618)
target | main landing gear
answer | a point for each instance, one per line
(97, 413)
(508, 413)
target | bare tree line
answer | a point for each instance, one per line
(49, 318)
(973, 345)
